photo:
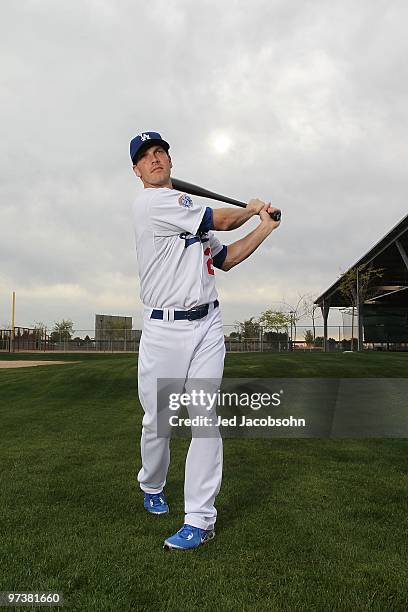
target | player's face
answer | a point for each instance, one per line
(153, 167)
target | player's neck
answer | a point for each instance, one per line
(167, 184)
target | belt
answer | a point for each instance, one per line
(191, 315)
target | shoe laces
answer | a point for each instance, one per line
(157, 499)
(186, 531)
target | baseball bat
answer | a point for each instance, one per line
(205, 193)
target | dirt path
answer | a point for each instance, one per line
(29, 364)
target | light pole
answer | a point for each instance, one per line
(13, 322)
(261, 337)
(291, 312)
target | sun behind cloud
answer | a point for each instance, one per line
(221, 142)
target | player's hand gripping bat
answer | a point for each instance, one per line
(204, 193)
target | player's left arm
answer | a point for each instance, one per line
(241, 249)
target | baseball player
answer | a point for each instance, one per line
(182, 332)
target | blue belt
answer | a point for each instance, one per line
(194, 313)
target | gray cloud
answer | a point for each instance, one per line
(312, 94)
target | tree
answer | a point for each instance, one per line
(319, 341)
(312, 310)
(233, 335)
(295, 314)
(298, 312)
(248, 328)
(309, 338)
(276, 337)
(274, 320)
(366, 289)
(275, 323)
(62, 330)
(41, 328)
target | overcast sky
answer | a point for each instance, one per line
(311, 96)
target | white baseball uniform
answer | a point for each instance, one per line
(176, 251)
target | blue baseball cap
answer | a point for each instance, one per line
(143, 141)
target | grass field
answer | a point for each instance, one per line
(307, 524)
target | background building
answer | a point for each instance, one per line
(382, 310)
(115, 333)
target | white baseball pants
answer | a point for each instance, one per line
(181, 350)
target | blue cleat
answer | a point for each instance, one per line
(155, 503)
(189, 537)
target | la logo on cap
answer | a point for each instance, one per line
(145, 137)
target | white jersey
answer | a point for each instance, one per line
(175, 262)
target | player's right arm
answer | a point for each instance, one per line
(225, 219)
(241, 249)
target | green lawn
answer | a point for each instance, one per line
(305, 524)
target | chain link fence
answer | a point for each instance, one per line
(299, 338)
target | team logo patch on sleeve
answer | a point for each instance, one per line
(185, 201)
